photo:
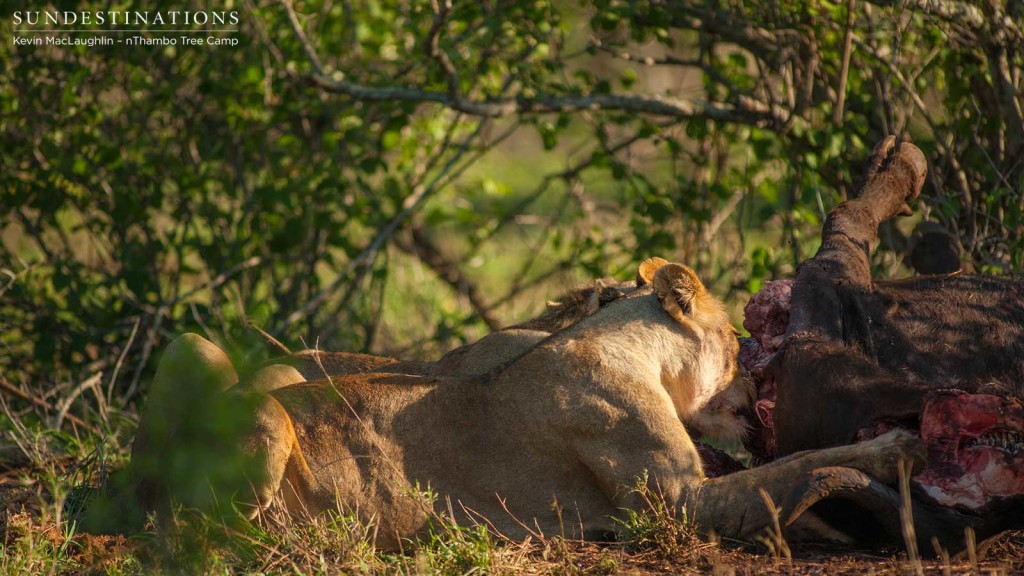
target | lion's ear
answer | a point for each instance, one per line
(645, 274)
(677, 287)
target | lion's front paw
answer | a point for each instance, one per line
(881, 456)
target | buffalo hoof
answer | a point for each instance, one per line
(895, 176)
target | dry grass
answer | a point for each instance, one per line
(36, 541)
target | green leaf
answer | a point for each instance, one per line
(628, 78)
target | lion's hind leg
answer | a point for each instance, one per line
(205, 444)
(275, 463)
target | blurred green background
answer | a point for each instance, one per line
(403, 177)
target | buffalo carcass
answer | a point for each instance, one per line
(841, 358)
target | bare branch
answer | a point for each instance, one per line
(412, 203)
(725, 25)
(1006, 94)
(667, 60)
(221, 278)
(723, 214)
(434, 51)
(565, 175)
(837, 113)
(949, 10)
(894, 70)
(65, 405)
(42, 403)
(747, 112)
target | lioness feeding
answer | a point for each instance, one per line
(726, 417)
(579, 419)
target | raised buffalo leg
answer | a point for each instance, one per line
(895, 175)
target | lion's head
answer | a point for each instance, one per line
(711, 366)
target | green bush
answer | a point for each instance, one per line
(147, 191)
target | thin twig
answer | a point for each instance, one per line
(297, 27)
(65, 405)
(721, 22)
(43, 404)
(270, 339)
(147, 349)
(724, 212)
(837, 112)
(666, 60)
(949, 10)
(20, 435)
(221, 278)
(433, 50)
(565, 175)
(907, 518)
(419, 245)
(120, 359)
(919, 103)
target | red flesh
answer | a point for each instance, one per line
(766, 317)
(964, 467)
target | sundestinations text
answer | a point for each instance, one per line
(125, 18)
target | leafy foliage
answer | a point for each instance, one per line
(303, 180)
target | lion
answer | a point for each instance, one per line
(724, 418)
(555, 442)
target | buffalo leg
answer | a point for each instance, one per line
(731, 505)
(895, 175)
